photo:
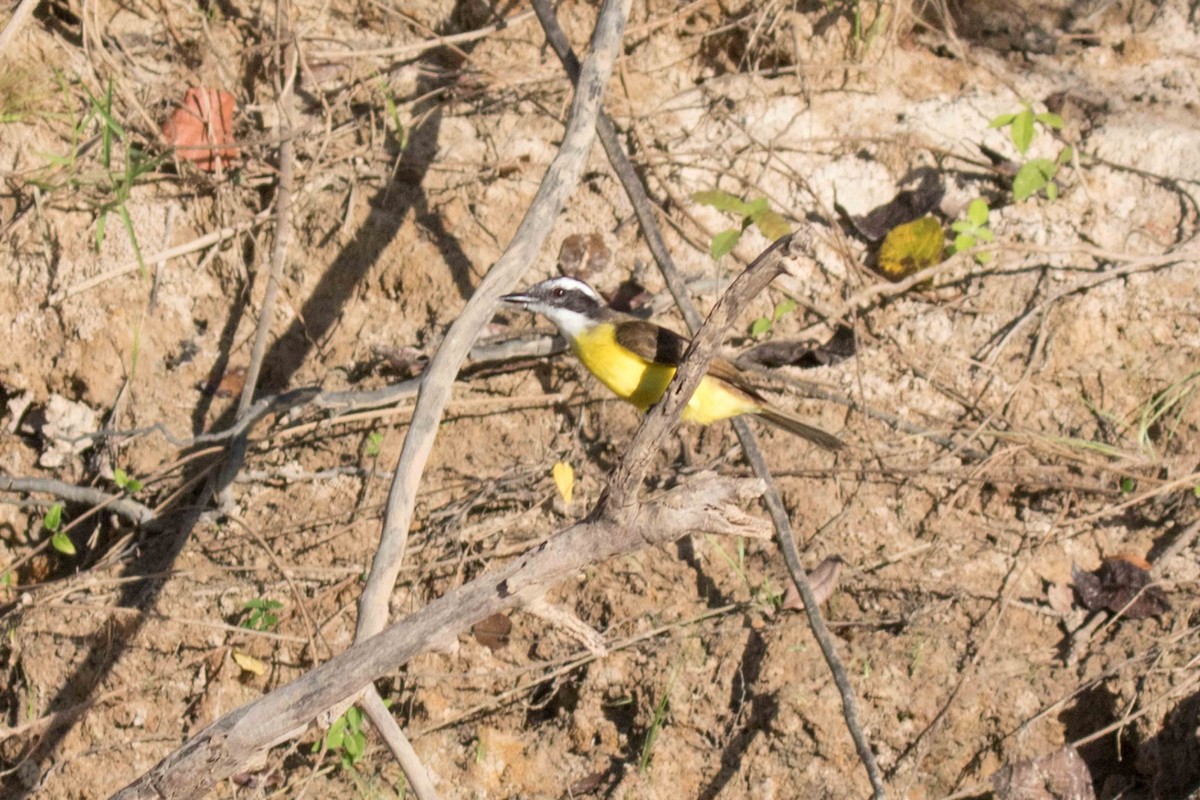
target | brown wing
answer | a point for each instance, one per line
(722, 369)
(651, 342)
(662, 346)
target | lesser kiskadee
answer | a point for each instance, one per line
(637, 359)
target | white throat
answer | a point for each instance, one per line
(570, 323)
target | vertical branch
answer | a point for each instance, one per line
(436, 383)
(787, 542)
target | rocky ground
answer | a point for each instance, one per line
(1006, 418)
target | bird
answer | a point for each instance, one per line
(636, 359)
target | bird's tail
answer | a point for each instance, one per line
(793, 424)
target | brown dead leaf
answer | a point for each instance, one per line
(231, 383)
(806, 354)
(823, 580)
(583, 256)
(1121, 586)
(493, 632)
(1062, 775)
(631, 297)
(201, 130)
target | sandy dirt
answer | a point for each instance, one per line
(1005, 420)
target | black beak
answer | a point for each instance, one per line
(517, 299)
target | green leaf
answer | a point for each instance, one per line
(963, 226)
(724, 242)
(977, 212)
(760, 326)
(1127, 485)
(1022, 130)
(1065, 156)
(355, 744)
(786, 306)
(985, 235)
(1002, 120)
(101, 225)
(964, 241)
(62, 543)
(721, 201)
(353, 718)
(772, 224)
(1032, 177)
(123, 212)
(1050, 120)
(1051, 190)
(53, 519)
(123, 481)
(756, 207)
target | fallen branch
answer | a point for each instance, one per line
(225, 746)
(125, 507)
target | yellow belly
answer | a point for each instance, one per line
(643, 382)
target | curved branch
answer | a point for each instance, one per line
(436, 383)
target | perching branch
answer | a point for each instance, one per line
(787, 543)
(437, 380)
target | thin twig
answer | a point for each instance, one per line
(675, 284)
(286, 105)
(199, 243)
(126, 507)
(413, 50)
(56, 719)
(414, 771)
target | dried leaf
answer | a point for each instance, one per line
(231, 383)
(564, 479)
(583, 256)
(1119, 586)
(201, 130)
(493, 632)
(249, 663)
(632, 298)
(804, 354)
(906, 206)
(1062, 775)
(823, 580)
(590, 784)
(911, 247)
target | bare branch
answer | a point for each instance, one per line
(437, 381)
(706, 503)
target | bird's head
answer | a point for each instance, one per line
(569, 303)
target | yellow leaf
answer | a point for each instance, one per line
(249, 663)
(564, 479)
(911, 247)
